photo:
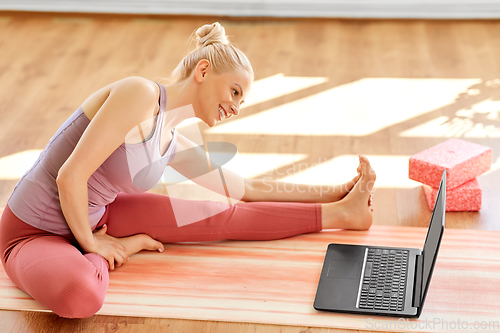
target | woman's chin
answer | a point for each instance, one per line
(211, 124)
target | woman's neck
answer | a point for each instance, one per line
(180, 97)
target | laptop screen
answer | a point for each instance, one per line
(434, 235)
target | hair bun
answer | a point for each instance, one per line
(210, 34)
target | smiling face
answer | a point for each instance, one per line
(220, 95)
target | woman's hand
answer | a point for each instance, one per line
(108, 247)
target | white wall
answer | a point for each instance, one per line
(445, 9)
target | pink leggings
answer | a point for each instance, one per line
(55, 272)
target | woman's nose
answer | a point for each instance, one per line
(235, 110)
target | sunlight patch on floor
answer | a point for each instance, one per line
(392, 171)
(359, 108)
(252, 165)
(278, 85)
(482, 120)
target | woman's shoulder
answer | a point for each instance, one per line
(131, 83)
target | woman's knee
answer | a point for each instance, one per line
(75, 292)
(79, 296)
(57, 275)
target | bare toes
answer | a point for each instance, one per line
(152, 244)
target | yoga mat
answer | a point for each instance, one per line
(275, 282)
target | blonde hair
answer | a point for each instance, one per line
(213, 45)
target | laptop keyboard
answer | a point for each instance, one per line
(384, 280)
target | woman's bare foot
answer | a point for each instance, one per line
(354, 210)
(340, 191)
(139, 242)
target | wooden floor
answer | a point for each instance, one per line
(50, 63)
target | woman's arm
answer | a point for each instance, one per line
(130, 101)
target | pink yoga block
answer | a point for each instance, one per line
(463, 161)
(464, 198)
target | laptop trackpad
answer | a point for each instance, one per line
(343, 269)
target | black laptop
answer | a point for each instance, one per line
(378, 280)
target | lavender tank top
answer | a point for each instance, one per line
(131, 168)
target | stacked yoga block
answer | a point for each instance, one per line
(463, 161)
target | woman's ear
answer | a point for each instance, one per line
(201, 70)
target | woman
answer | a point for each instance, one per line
(79, 211)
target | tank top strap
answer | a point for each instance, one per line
(161, 112)
(159, 123)
(163, 97)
